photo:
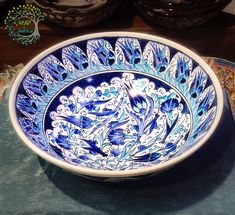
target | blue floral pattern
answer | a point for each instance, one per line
(116, 103)
(110, 121)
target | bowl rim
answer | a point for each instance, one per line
(115, 173)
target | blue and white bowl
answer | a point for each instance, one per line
(116, 105)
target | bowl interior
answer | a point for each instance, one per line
(116, 103)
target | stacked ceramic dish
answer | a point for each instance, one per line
(180, 13)
(75, 13)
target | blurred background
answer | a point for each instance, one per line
(197, 24)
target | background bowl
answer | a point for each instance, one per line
(76, 13)
(116, 105)
(180, 13)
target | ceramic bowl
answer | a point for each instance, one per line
(116, 105)
(76, 13)
(180, 13)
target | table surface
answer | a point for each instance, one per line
(203, 184)
(215, 38)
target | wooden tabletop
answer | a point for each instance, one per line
(215, 38)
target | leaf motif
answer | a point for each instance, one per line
(74, 57)
(157, 55)
(169, 128)
(207, 101)
(123, 154)
(90, 105)
(27, 106)
(105, 112)
(134, 116)
(152, 124)
(204, 125)
(115, 124)
(108, 119)
(53, 67)
(101, 51)
(82, 121)
(198, 83)
(29, 126)
(33, 84)
(129, 49)
(147, 157)
(93, 147)
(183, 70)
